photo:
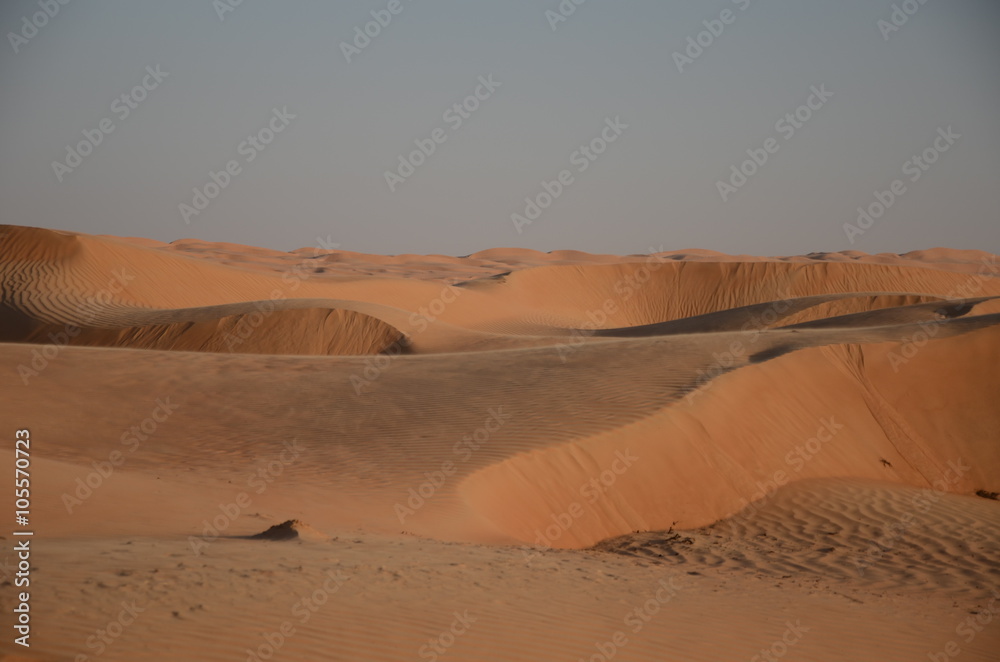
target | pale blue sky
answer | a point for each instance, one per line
(655, 185)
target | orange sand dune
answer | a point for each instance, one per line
(517, 448)
(94, 276)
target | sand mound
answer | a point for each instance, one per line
(260, 327)
(291, 529)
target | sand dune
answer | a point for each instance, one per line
(259, 327)
(540, 439)
(839, 531)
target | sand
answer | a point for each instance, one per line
(240, 453)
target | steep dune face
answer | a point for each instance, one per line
(950, 417)
(633, 294)
(823, 311)
(831, 411)
(261, 329)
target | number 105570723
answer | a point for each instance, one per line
(22, 477)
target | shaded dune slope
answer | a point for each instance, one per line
(265, 327)
(904, 308)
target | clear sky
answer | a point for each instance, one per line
(672, 95)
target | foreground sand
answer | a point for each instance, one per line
(502, 456)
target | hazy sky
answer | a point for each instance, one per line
(671, 118)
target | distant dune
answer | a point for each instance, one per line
(551, 434)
